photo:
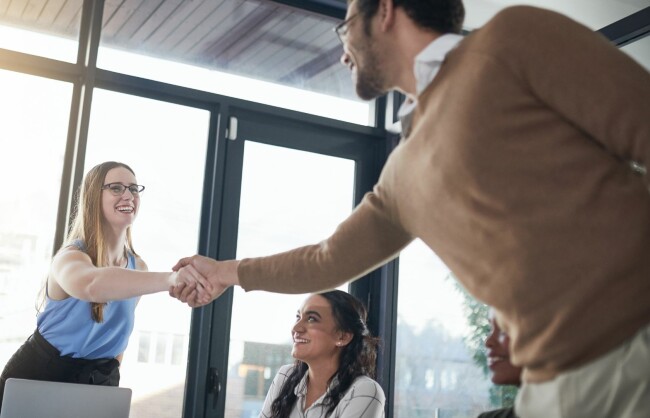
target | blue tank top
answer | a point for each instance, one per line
(68, 326)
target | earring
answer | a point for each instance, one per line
(338, 343)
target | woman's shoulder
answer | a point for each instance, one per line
(285, 370)
(75, 244)
(366, 386)
(70, 251)
(140, 265)
(280, 377)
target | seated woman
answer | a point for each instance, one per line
(335, 363)
(503, 372)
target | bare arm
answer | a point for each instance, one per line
(78, 277)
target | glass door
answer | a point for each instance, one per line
(289, 182)
(288, 198)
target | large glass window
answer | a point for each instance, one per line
(440, 366)
(260, 51)
(32, 142)
(165, 144)
(288, 198)
(48, 28)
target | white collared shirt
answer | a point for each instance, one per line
(363, 399)
(427, 64)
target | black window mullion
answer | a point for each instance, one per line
(75, 152)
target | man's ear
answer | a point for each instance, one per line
(386, 14)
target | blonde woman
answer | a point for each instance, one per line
(93, 286)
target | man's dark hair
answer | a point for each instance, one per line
(442, 16)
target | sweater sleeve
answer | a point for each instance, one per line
(367, 239)
(582, 76)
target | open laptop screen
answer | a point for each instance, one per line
(35, 399)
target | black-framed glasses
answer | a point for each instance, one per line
(341, 29)
(118, 189)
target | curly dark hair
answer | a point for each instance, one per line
(442, 16)
(358, 358)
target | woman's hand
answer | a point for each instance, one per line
(196, 286)
(220, 274)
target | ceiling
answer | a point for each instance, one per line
(289, 42)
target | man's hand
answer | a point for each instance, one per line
(220, 275)
(195, 285)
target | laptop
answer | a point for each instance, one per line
(37, 399)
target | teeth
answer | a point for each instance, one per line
(125, 209)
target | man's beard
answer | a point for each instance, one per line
(370, 82)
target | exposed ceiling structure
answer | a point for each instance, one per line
(284, 41)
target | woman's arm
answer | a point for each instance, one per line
(78, 277)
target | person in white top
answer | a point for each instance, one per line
(335, 364)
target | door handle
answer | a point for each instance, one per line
(214, 386)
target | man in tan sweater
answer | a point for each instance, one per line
(516, 171)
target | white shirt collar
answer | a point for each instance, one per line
(427, 64)
(301, 390)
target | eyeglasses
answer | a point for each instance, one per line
(341, 29)
(118, 189)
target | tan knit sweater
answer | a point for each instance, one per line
(516, 174)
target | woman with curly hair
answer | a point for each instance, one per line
(335, 364)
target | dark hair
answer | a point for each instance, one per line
(358, 357)
(442, 16)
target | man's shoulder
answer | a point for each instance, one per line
(516, 14)
(517, 32)
(512, 22)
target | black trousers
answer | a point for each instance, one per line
(37, 359)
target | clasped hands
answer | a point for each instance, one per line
(203, 279)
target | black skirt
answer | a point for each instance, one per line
(37, 359)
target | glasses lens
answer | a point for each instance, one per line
(135, 189)
(116, 188)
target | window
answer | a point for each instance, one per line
(165, 144)
(259, 51)
(288, 198)
(435, 370)
(32, 142)
(46, 28)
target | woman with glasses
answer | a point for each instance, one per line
(335, 364)
(93, 286)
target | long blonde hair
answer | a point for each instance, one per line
(87, 224)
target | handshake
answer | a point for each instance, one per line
(199, 280)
